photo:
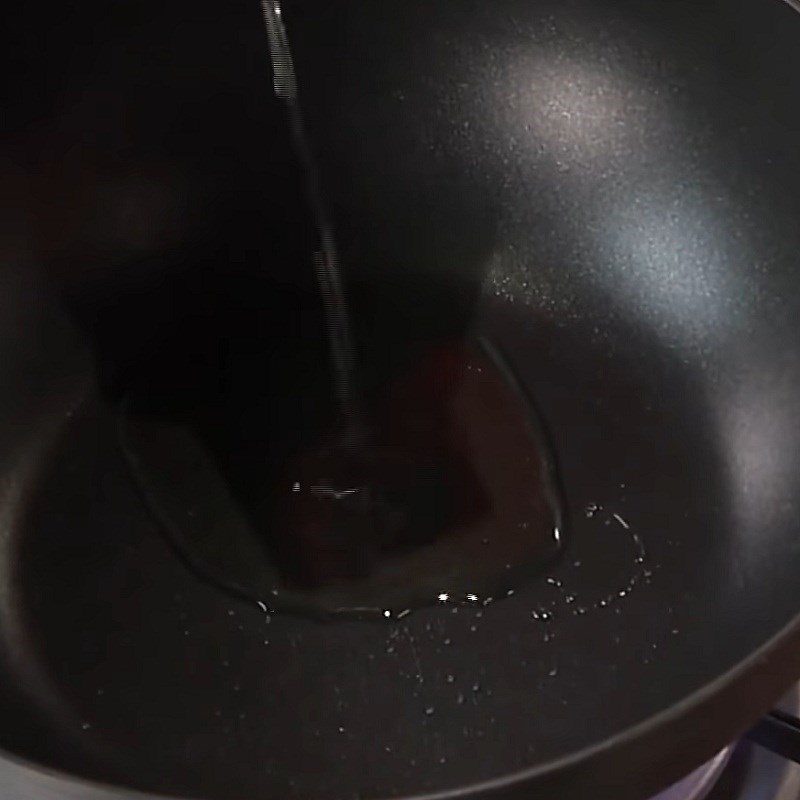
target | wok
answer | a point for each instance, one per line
(609, 191)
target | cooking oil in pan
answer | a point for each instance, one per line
(449, 494)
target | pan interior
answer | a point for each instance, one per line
(608, 191)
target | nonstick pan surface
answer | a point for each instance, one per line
(609, 191)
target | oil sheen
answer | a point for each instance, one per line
(448, 493)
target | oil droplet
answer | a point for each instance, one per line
(621, 521)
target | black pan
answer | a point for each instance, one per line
(609, 191)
